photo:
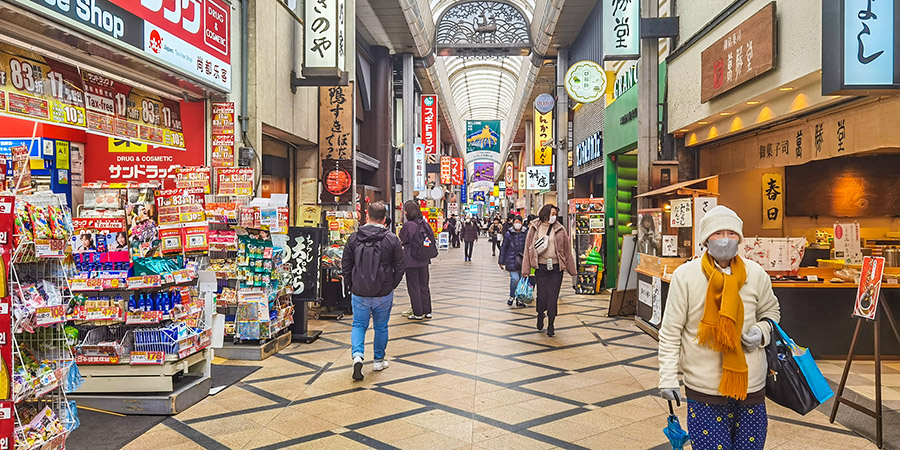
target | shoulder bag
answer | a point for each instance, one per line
(541, 244)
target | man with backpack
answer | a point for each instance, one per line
(419, 246)
(372, 265)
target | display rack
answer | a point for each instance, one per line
(335, 295)
(586, 224)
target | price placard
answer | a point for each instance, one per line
(96, 359)
(147, 358)
(143, 317)
(49, 315)
(146, 281)
(234, 182)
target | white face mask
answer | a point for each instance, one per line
(552, 220)
(517, 226)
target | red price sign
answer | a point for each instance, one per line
(147, 358)
(49, 315)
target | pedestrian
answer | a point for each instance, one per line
(452, 229)
(508, 223)
(548, 250)
(714, 331)
(511, 254)
(469, 236)
(372, 265)
(495, 234)
(419, 247)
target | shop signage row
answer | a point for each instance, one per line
(325, 45)
(336, 143)
(543, 138)
(190, 36)
(429, 124)
(859, 53)
(621, 30)
(743, 54)
(589, 149)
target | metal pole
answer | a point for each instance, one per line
(409, 125)
(648, 105)
(562, 135)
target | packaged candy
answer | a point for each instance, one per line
(40, 222)
(58, 228)
(23, 221)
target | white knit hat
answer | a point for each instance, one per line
(718, 219)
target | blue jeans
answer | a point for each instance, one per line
(379, 308)
(514, 278)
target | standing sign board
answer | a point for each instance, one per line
(741, 55)
(429, 124)
(621, 30)
(324, 49)
(859, 47)
(869, 287)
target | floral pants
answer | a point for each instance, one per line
(727, 427)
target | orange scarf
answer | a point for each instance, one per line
(722, 323)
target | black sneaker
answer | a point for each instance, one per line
(520, 304)
(509, 302)
(357, 368)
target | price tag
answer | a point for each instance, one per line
(143, 317)
(49, 315)
(105, 313)
(892, 281)
(182, 276)
(146, 281)
(86, 284)
(168, 278)
(144, 358)
(49, 248)
(112, 283)
(100, 359)
(812, 278)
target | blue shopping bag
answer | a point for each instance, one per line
(814, 378)
(525, 290)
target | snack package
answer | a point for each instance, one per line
(40, 222)
(58, 229)
(23, 222)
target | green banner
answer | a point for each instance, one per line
(483, 136)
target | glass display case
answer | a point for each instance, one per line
(586, 228)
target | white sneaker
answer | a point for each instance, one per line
(428, 316)
(380, 365)
(408, 312)
(415, 317)
(357, 368)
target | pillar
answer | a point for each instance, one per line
(562, 134)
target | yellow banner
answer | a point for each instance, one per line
(543, 137)
(772, 201)
(38, 88)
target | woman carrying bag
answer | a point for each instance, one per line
(495, 231)
(548, 250)
(714, 330)
(511, 254)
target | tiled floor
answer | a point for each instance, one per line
(478, 375)
(862, 379)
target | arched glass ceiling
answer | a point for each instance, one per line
(438, 7)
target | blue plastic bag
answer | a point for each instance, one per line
(814, 378)
(525, 290)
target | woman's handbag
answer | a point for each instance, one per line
(525, 290)
(519, 259)
(794, 380)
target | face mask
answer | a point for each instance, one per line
(552, 220)
(722, 249)
(517, 226)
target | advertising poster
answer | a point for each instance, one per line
(197, 179)
(446, 177)
(847, 243)
(650, 232)
(38, 88)
(234, 181)
(869, 288)
(222, 130)
(484, 171)
(337, 179)
(483, 139)
(143, 231)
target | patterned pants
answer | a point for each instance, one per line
(727, 427)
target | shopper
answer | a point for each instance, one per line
(714, 331)
(454, 233)
(372, 265)
(495, 234)
(469, 236)
(548, 251)
(511, 253)
(419, 246)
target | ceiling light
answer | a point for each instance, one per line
(786, 88)
(684, 130)
(703, 123)
(726, 113)
(754, 102)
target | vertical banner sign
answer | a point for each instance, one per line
(463, 187)
(457, 169)
(325, 43)
(860, 49)
(446, 177)
(543, 137)
(869, 287)
(222, 130)
(336, 143)
(702, 205)
(429, 125)
(419, 167)
(772, 201)
(521, 181)
(621, 32)
(483, 139)
(509, 176)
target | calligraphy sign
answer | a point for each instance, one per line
(325, 46)
(772, 201)
(457, 169)
(621, 29)
(510, 174)
(741, 55)
(858, 47)
(302, 255)
(336, 122)
(543, 137)
(680, 214)
(702, 205)
(429, 124)
(537, 178)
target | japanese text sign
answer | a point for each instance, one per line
(869, 287)
(772, 201)
(543, 137)
(702, 205)
(419, 167)
(847, 243)
(222, 131)
(680, 215)
(509, 176)
(429, 124)
(118, 160)
(537, 178)
(197, 179)
(585, 82)
(446, 177)
(621, 29)
(39, 88)
(859, 51)
(457, 169)
(336, 122)
(742, 54)
(234, 182)
(325, 43)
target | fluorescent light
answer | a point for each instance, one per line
(786, 88)
(754, 102)
(726, 113)
(703, 122)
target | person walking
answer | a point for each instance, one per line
(469, 236)
(419, 246)
(511, 254)
(495, 235)
(454, 232)
(714, 330)
(548, 250)
(372, 265)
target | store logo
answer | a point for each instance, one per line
(428, 101)
(155, 41)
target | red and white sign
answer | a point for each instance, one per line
(509, 176)
(233, 182)
(869, 287)
(143, 163)
(445, 170)
(222, 130)
(429, 124)
(457, 169)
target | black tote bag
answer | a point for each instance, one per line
(785, 383)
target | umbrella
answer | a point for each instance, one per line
(677, 436)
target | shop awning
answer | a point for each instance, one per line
(711, 188)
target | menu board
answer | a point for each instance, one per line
(39, 88)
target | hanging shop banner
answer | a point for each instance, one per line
(483, 139)
(522, 179)
(324, 49)
(509, 175)
(859, 53)
(419, 167)
(680, 215)
(234, 181)
(586, 82)
(621, 30)
(119, 160)
(543, 138)
(484, 171)
(457, 169)
(336, 122)
(446, 177)
(869, 287)
(544, 103)
(197, 179)
(772, 201)
(39, 88)
(117, 110)
(429, 124)
(302, 254)
(222, 130)
(190, 36)
(337, 180)
(537, 178)
(464, 187)
(496, 192)
(741, 55)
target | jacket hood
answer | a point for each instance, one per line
(371, 233)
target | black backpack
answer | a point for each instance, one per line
(423, 246)
(367, 269)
